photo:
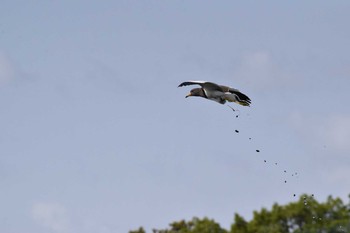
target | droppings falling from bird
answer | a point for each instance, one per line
(237, 114)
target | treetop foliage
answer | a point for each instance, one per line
(306, 215)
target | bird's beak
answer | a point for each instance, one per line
(189, 94)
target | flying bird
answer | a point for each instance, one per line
(218, 93)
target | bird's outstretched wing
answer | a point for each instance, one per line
(208, 86)
(187, 83)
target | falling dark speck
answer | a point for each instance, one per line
(285, 181)
(264, 161)
(250, 138)
(285, 171)
(294, 195)
(257, 150)
(236, 131)
(236, 116)
(275, 163)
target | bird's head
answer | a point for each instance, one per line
(195, 92)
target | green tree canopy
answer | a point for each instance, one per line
(195, 225)
(306, 215)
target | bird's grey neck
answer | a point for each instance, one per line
(202, 93)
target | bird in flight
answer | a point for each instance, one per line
(218, 93)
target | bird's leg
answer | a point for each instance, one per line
(231, 108)
(234, 110)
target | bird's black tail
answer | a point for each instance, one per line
(238, 98)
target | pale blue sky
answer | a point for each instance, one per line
(95, 136)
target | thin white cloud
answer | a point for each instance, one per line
(330, 131)
(51, 215)
(339, 176)
(6, 70)
(261, 71)
(338, 135)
